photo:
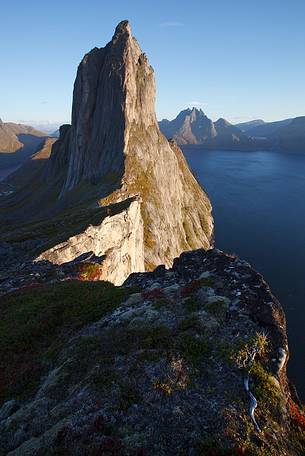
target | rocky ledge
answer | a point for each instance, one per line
(183, 361)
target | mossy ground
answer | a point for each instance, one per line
(35, 323)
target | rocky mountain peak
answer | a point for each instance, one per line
(114, 88)
(113, 162)
(196, 114)
(197, 111)
(122, 29)
(222, 121)
(192, 126)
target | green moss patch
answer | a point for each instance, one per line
(265, 390)
(35, 323)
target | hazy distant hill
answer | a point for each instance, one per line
(228, 135)
(192, 126)
(17, 142)
(267, 129)
(31, 169)
(245, 126)
(291, 137)
(11, 136)
(55, 134)
(47, 127)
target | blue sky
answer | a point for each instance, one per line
(236, 59)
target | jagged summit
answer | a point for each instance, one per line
(192, 126)
(114, 88)
(123, 28)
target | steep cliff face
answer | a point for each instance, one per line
(114, 89)
(114, 137)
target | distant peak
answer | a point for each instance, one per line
(197, 111)
(1, 121)
(123, 28)
(222, 121)
(196, 114)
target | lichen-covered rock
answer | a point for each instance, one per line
(155, 367)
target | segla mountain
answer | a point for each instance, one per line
(112, 185)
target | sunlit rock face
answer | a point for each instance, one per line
(119, 238)
(114, 87)
(115, 136)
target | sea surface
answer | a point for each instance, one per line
(258, 203)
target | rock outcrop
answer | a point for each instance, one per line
(119, 238)
(114, 151)
(155, 367)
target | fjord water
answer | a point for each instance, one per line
(258, 203)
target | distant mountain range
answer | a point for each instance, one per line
(245, 126)
(193, 127)
(266, 130)
(47, 127)
(55, 134)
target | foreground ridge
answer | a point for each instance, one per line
(154, 367)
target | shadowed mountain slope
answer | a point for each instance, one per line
(17, 143)
(291, 137)
(267, 129)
